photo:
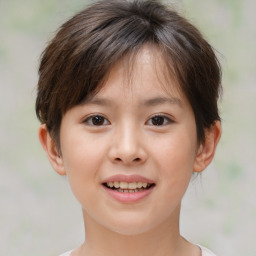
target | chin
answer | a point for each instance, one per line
(131, 225)
(130, 230)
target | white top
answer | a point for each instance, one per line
(66, 253)
(205, 252)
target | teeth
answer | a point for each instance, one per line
(139, 185)
(122, 185)
(132, 185)
(129, 190)
(144, 185)
(111, 184)
(116, 184)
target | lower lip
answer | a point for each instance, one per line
(128, 197)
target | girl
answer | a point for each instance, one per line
(127, 98)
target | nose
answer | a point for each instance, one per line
(127, 146)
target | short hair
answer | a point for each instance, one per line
(77, 60)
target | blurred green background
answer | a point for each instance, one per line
(38, 214)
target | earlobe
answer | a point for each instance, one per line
(207, 149)
(51, 150)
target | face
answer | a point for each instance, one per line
(129, 152)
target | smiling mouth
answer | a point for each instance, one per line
(128, 187)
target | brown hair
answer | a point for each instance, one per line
(85, 48)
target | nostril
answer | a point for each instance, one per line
(137, 159)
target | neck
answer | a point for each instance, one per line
(162, 240)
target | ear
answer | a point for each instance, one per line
(207, 149)
(51, 150)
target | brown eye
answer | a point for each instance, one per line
(159, 120)
(96, 120)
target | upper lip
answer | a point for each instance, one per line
(128, 178)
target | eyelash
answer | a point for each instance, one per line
(89, 120)
(167, 120)
(103, 121)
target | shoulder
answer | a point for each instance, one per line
(206, 252)
(66, 253)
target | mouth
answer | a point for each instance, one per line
(128, 187)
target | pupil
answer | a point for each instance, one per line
(157, 120)
(98, 120)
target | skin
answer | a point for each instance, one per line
(128, 141)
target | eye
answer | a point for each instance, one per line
(159, 120)
(96, 120)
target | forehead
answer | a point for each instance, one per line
(143, 72)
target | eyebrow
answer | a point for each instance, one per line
(148, 102)
(98, 101)
(162, 100)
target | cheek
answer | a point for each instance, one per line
(82, 161)
(174, 159)
(176, 154)
(82, 153)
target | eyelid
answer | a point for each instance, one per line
(89, 118)
(165, 116)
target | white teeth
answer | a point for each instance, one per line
(111, 184)
(116, 184)
(144, 185)
(139, 185)
(132, 185)
(129, 190)
(125, 185)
